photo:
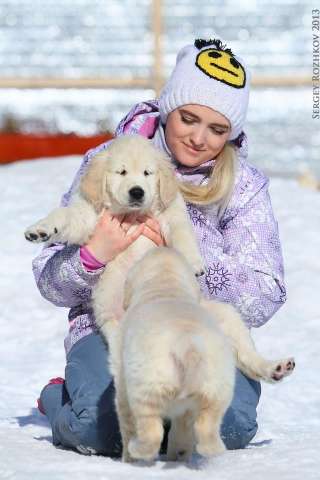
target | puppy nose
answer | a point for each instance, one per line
(136, 193)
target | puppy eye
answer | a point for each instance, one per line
(123, 172)
(146, 173)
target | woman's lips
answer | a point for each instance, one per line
(192, 150)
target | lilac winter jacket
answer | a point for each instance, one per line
(241, 246)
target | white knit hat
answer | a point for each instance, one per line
(208, 74)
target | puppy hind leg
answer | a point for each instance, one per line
(126, 421)
(248, 360)
(254, 366)
(207, 427)
(149, 432)
(181, 438)
(274, 371)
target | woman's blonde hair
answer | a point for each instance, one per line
(220, 184)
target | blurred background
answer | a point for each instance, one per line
(78, 66)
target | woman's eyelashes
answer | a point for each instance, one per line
(191, 121)
(186, 120)
(216, 131)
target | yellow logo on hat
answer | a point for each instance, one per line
(222, 66)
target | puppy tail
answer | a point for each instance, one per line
(187, 365)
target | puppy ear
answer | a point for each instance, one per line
(92, 185)
(168, 187)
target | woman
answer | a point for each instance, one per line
(198, 121)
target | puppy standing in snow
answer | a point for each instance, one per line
(170, 358)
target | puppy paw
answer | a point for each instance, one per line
(282, 369)
(198, 267)
(199, 273)
(182, 455)
(210, 449)
(40, 233)
(126, 457)
(142, 450)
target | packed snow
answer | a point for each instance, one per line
(287, 442)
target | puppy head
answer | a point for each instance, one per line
(132, 169)
(130, 175)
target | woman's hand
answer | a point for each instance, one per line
(111, 236)
(152, 230)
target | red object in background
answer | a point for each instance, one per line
(23, 146)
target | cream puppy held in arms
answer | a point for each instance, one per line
(131, 176)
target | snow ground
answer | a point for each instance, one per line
(32, 332)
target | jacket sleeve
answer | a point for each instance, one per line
(60, 276)
(244, 261)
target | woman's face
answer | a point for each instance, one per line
(196, 134)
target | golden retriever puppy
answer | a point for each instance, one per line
(169, 359)
(174, 355)
(131, 175)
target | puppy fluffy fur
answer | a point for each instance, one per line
(131, 164)
(169, 359)
(174, 355)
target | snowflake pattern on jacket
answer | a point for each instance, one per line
(241, 247)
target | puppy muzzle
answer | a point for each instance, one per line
(136, 196)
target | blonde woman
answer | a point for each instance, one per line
(198, 120)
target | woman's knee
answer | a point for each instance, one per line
(239, 424)
(95, 424)
(237, 430)
(99, 435)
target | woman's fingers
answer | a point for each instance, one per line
(152, 230)
(128, 221)
(132, 237)
(151, 222)
(105, 218)
(155, 236)
(117, 219)
(121, 224)
(148, 227)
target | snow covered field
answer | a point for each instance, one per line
(32, 331)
